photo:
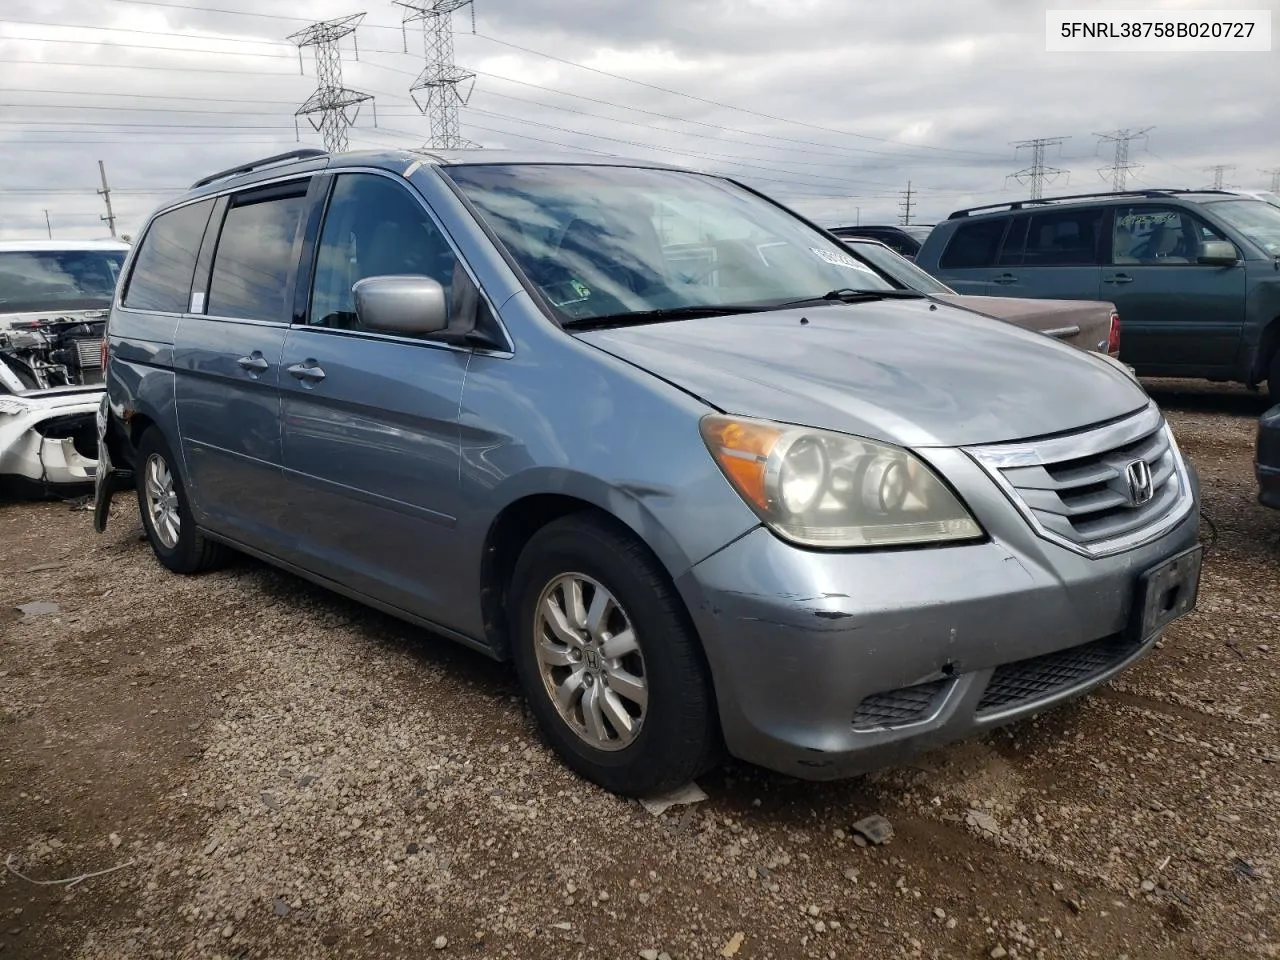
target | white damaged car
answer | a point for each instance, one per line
(54, 298)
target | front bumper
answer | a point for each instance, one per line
(831, 664)
(46, 443)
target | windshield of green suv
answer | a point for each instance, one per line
(899, 269)
(618, 242)
(1258, 221)
(50, 280)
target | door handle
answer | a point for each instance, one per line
(253, 364)
(1118, 278)
(1005, 278)
(308, 371)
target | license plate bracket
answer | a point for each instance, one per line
(1166, 592)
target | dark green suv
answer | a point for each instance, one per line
(1195, 275)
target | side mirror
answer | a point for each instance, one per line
(410, 305)
(1218, 252)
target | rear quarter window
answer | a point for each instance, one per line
(166, 260)
(974, 245)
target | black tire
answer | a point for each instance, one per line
(679, 737)
(192, 553)
(1273, 377)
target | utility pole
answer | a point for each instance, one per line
(1219, 171)
(1275, 179)
(105, 193)
(338, 106)
(905, 205)
(1120, 165)
(441, 79)
(1038, 174)
(47, 225)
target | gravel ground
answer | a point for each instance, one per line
(281, 773)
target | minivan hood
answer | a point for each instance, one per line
(906, 372)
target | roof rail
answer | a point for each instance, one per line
(303, 153)
(1102, 194)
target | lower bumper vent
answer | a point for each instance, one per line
(1025, 681)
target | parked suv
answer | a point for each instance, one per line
(656, 439)
(1196, 275)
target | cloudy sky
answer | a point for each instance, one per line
(833, 105)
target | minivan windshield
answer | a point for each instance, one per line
(51, 280)
(1257, 220)
(617, 242)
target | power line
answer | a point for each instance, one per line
(662, 149)
(625, 79)
(143, 66)
(677, 119)
(727, 106)
(141, 96)
(130, 30)
(440, 79)
(898, 156)
(1275, 178)
(147, 46)
(338, 106)
(1120, 165)
(1037, 173)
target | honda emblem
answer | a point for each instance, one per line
(1138, 476)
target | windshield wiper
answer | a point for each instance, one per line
(689, 312)
(850, 295)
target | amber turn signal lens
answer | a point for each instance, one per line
(741, 449)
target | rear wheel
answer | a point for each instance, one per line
(1273, 377)
(608, 661)
(166, 513)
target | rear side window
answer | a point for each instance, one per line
(166, 260)
(252, 265)
(974, 245)
(1015, 241)
(1064, 238)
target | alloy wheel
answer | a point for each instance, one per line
(590, 661)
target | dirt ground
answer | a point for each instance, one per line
(281, 773)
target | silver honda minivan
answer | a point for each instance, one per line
(708, 481)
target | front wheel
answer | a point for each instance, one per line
(166, 513)
(608, 661)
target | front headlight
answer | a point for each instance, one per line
(824, 489)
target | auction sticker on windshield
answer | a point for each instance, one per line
(841, 260)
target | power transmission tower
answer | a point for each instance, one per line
(1275, 179)
(441, 79)
(1120, 165)
(1219, 172)
(905, 205)
(1038, 174)
(337, 105)
(105, 193)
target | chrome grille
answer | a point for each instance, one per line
(89, 353)
(897, 708)
(1026, 681)
(1076, 490)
